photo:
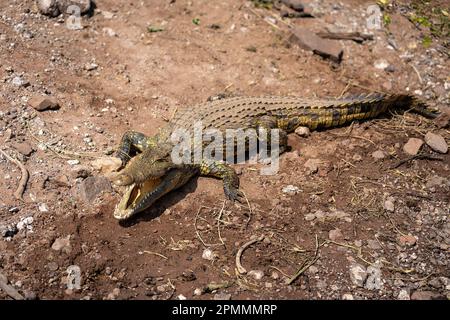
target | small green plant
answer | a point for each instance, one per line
(386, 19)
(153, 29)
(427, 41)
(196, 21)
(267, 4)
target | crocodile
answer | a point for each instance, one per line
(148, 171)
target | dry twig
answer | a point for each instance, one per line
(240, 268)
(18, 194)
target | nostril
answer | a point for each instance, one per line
(123, 180)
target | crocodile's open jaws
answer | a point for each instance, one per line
(138, 197)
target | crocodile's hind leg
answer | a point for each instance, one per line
(223, 171)
(132, 142)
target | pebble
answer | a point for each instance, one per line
(310, 216)
(20, 82)
(291, 190)
(43, 207)
(312, 165)
(256, 274)
(373, 281)
(436, 142)
(378, 155)
(62, 244)
(425, 295)
(303, 131)
(181, 297)
(107, 164)
(358, 274)
(389, 204)
(347, 296)
(91, 187)
(413, 146)
(42, 103)
(381, 64)
(407, 240)
(73, 162)
(208, 254)
(24, 148)
(110, 32)
(222, 296)
(403, 295)
(198, 292)
(335, 234)
(373, 244)
(48, 7)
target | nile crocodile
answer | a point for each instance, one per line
(149, 171)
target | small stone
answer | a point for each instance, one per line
(52, 266)
(310, 216)
(373, 244)
(335, 234)
(436, 142)
(378, 155)
(407, 240)
(42, 103)
(62, 244)
(313, 269)
(79, 171)
(181, 297)
(426, 295)
(358, 274)
(107, 14)
(389, 205)
(83, 5)
(347, 296)
(443, 120)
(43, 207)
(24, 148)
(48, 7)
(413, 146)
(291, 190)
(73, 162)
(61, 181)
(381, 64)
(208, 254)
(303, 131)
(20, 82)
(436, 181)
(373, 281)
(312, 165)
(91, 66)
(296, 5)
(308, 40)
(403, 295)
(91, 187)
(107, 164)
(256, 274)
(198, 292)
(29, 295)
(109, 32)
(222, 296)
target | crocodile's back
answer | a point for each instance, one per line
(290, 112)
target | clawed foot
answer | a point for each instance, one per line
(233, 193)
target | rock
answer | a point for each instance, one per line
(107, 164)
(256, 274)
(296, 5)
(378, 155)
(30, 295)
(347, 296)
(413, 146)
(373, 244)
(181, 297)
(110, 32)
(373, 281)
(312, 165)
(403, 295)
(52, 266)
(426, 295)
(436, 142)
(41, 103)
(358, 274)
(84, 5)
(310, 216)
(42, 207)
(48, 7)
(61, 181)
(335, 234)
(24, 148)
(442, 121)
(308, 40)
(303, 131)
(436, 181)
(208, 254)
(198, 292)
(407, 240)
(381, 64)
(91, 187)
(222, 296)
(291, 190)
(73, 162)
(20, 82)
(79, 171)
(389, 204)
(62, 244)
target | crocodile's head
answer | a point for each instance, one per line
(147, 177)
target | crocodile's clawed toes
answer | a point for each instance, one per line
(123, 180)
(234, 194)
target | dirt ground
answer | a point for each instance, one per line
(361, 225)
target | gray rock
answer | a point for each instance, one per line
(335, 234)
(308, 40)
(91, 187)
(389, 204)
(413, 146)
(41, 103)
(48, 7)
(222, 296)
(373, 281)
(20, 82)
(64, 6)
(436, 142)
(358, 274)
(303, 131)
(296, 5)
(426, 295)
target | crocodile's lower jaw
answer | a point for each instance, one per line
(136, 198)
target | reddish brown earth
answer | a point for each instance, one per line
(140, 78)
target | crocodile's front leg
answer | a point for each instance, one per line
(223, 171)
(132, 142)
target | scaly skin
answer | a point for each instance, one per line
(149, 172)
